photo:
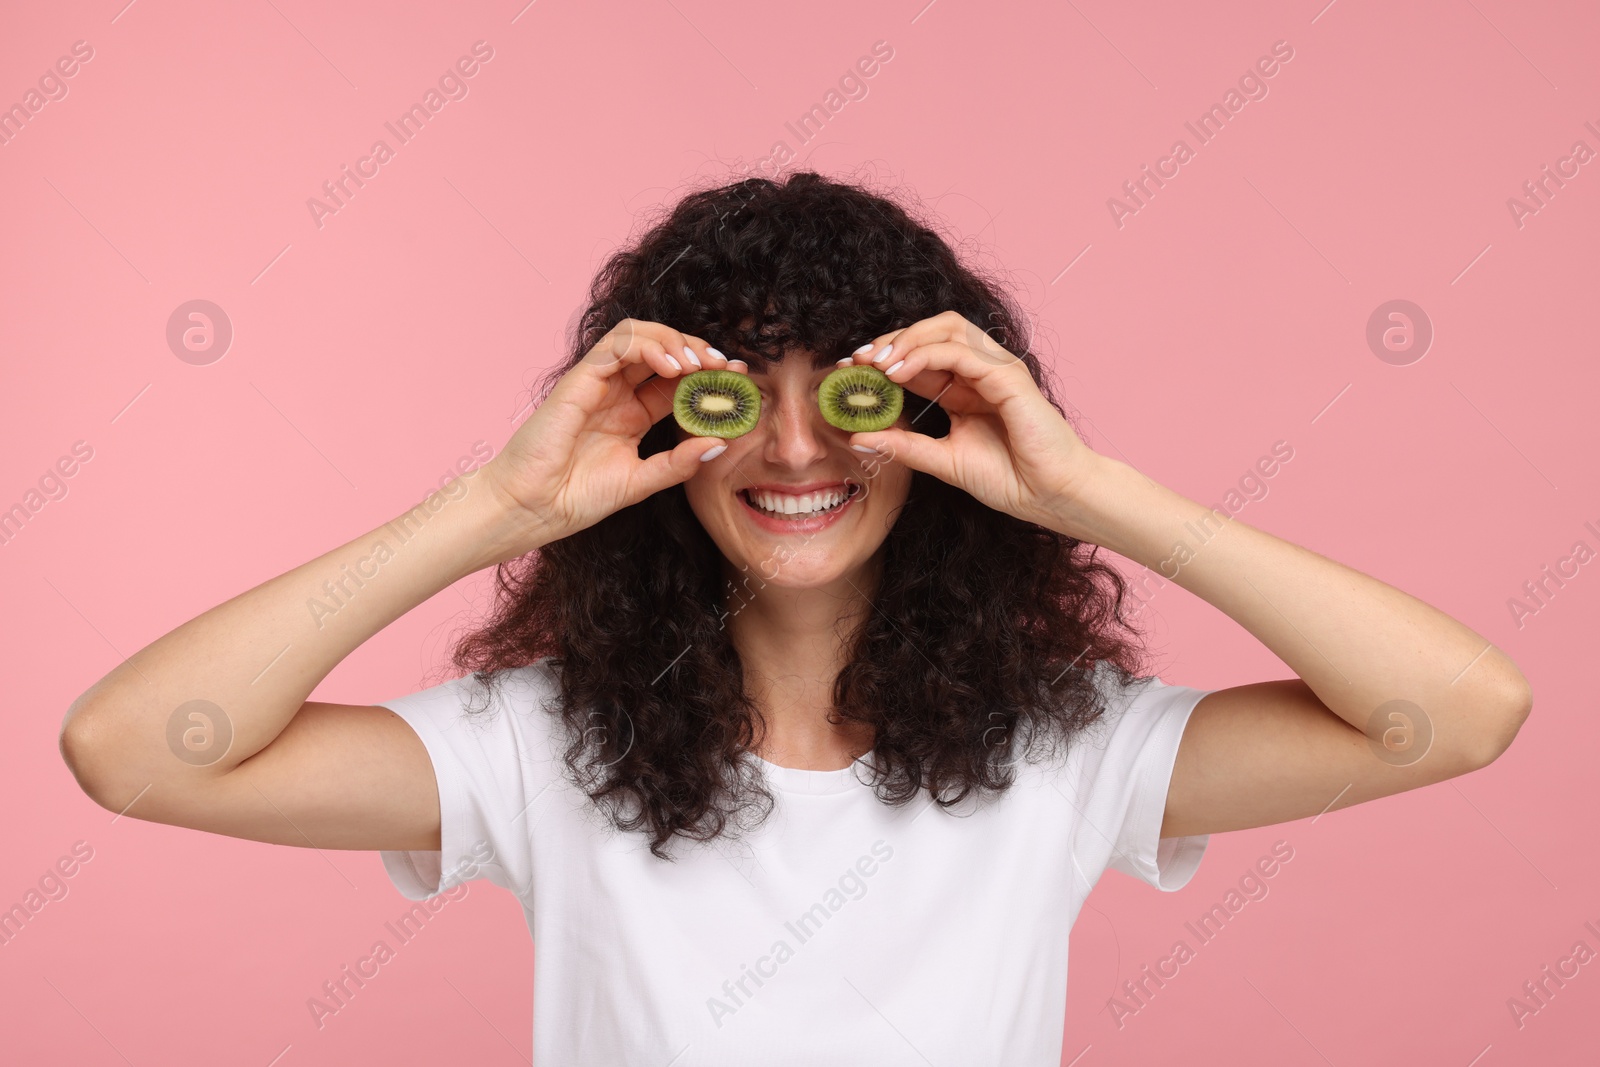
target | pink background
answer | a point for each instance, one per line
(371, 353)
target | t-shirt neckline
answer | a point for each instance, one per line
(798, 780)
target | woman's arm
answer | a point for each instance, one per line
(1276, 751)
(1392, 694)
(209, 727)
(248, 757)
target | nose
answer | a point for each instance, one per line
(794, 439)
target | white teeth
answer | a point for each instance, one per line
(804, 505)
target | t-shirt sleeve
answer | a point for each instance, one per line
(491, 762)
(1123, 770)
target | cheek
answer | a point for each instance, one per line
(701, 490)
(889, 486)
(707, 489)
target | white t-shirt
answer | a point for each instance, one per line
(842, 931)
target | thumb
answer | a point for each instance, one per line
(917, 451)
(665, 469)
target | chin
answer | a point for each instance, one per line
(811, 567)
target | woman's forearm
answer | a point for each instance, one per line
(257, 657)
(1356, 641)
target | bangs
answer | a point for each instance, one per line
(772, 269)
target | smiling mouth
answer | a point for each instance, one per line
(799, 507)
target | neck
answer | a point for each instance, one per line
(792, 644)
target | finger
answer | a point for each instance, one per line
(604, 376)
(636, 343)
(696, 354)
(685, 352)
(927, 370)
(877, 350)
(666, 469)
(634, 357)
(946, 326)
(917, 451)
(883, 350)
(657, 396)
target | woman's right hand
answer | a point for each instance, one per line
(576, 459)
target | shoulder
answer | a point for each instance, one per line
(522, 690)
(505, 712)
(490, 740)
(1117, 774)
(1140, 721)
(1121, 695)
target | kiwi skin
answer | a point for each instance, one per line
(860, 381)
(716, 403)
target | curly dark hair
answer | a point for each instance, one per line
(984, 628)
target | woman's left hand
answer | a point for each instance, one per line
(1008, 446)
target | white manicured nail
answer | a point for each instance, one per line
(714, 352)
(741, 364)
(864, 348)
(865, 448)
(688, 354)
(845, 362)
(668, 357)
(711, 454)
(896, 367)
(883, 353)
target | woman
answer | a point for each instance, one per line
(802, 746)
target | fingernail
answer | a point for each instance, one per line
(896, 367)
(675, 365)
(845, 362)
(883, 353)
(864, 348)
(714, 352)
(865, 448)
(711, 454)
(738, 363)
(688, 354)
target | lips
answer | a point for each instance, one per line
(798, 509)
(799, 505)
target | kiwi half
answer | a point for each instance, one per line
(716, 403)
(860, 399)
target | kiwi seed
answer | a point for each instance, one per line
(860, 399)
(716, 403)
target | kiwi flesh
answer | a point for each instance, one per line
(716, 403)
(860, 399)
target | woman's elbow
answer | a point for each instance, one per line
(82, 744)
(1498, 724)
